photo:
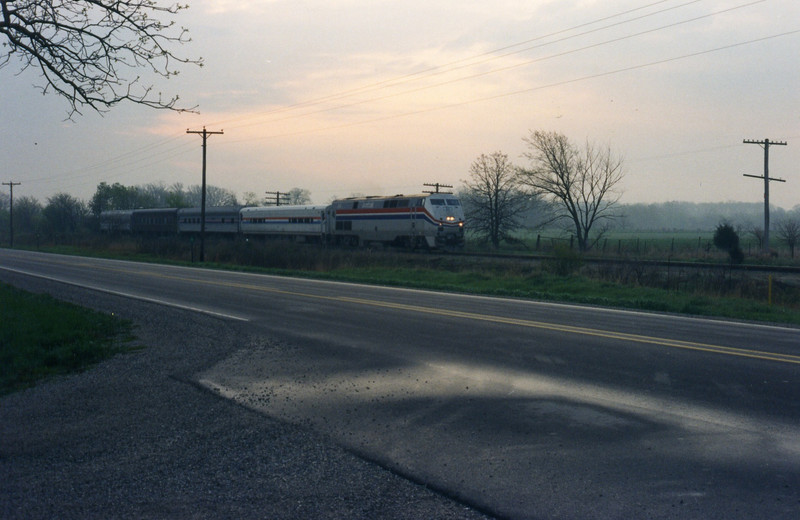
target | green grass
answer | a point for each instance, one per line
(41, 337)
(562, 278)
(575, 288)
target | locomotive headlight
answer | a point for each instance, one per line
(450, 218)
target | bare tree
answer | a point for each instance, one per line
(88, 51)
(789, 231)
(299, 196)
(758, 234)
(251, 199)
(215, 196)
(494, 200)
(581, 183)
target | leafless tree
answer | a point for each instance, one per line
(789, 231)
(758, 234)
(494, 200)
(90, 51)
(581, 184)
(298, 196)
(215, 196)
(251, 198)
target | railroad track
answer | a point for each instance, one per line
(652, 263)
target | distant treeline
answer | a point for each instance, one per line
(694, 216)
(675, 216)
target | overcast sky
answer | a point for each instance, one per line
(379, 97)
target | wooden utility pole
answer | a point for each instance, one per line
(205, 133)
(11, 185)
(766, 143)
(277, 196)
(437, 185)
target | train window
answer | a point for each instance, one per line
(453, 202)
(390, 204)
(437, 202)
(402, 203)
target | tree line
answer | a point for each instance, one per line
(565, 186)
(63, 214)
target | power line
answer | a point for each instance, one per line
(523, 91)
(442, 69)
(118, 161)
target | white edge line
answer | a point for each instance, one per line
(128, 295)
(534, 302)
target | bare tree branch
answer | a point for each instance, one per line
(494, 200)
(789, 231)
(89, 51)
(581, 184)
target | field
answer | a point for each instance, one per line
(652, 245)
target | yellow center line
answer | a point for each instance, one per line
(674, 343)
(666, 342)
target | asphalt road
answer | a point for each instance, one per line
(521, 409)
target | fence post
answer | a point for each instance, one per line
(769, 292)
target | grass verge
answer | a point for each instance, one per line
(41, 337)
(563, 278)
(575, 288)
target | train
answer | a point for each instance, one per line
(420, 221)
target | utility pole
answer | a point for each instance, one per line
(11, 185)
(277, 196)
(205, 133)
(437, 186)
(766, 143)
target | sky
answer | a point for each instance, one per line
(377, 97)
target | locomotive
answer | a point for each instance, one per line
(422, 221)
